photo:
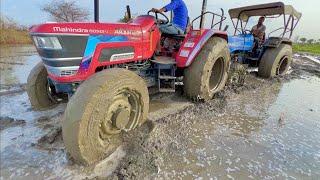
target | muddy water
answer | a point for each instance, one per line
(267, 130)
(270, 134)
(15, 62)
(23, 154)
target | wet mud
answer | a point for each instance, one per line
(254, 129)
(6, 122)
(242, 133)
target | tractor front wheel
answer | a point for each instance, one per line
(208, 73)
(109, 103)
(38, 88)
(275, 61)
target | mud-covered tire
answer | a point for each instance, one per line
(275, 61)
(208, 73)
(37, 88)
(89, 127)
(237, 74)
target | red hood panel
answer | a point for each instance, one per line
(86, 28)
(134, 28)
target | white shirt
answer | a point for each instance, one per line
(262, 28)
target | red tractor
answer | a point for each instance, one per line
(105, 70)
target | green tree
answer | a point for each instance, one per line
(310, 41)
(303, 40)
(296, 39)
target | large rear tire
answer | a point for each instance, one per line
(38, 89)
(208, 73)
(275, 61)
(110, 102)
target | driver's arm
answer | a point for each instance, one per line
(159, 10)
(173, 5)
(253, 29)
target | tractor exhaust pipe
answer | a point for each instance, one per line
(204, 8)
(96, 11)
(129, 12)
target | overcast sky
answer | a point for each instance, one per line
(27, 12)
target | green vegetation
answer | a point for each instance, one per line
(307, 48)
(11, 33)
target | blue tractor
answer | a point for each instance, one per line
(272, 54)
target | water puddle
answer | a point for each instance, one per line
(265, 135)
(16, 64)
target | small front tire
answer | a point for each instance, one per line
(38, 89)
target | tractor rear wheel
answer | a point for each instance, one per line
(109, 103)
(275, 61)
(38, 89)
(208, 73)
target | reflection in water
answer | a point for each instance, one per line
(16, 63)
(247, 142)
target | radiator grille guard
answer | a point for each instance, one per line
(62, 71)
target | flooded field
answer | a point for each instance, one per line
(266, 129)
(270, 134)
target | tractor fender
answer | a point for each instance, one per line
(193, 44)
(274, 42)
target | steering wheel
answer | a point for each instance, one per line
(160, 21)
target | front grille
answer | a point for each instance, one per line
(62, 71)
(72, 46)
(68, 72)
(61, 50)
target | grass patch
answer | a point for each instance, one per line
(14, 36)
(12, 33)
(307, 48)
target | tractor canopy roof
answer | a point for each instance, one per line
(270, 9)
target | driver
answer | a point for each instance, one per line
(180, 17)
(258, 31)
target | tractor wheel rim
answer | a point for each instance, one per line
(216, 74)
(282, 66)
(50, 93)
(123, 114)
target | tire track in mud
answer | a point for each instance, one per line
(147, 147)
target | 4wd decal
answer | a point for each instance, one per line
(122, 31)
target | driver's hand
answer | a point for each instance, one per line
(161, 21)
(154, 10)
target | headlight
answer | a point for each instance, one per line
(47, 42)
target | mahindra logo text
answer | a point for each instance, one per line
(79, 30)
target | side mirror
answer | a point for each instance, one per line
(226, 28)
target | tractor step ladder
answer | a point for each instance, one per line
(166, 73)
